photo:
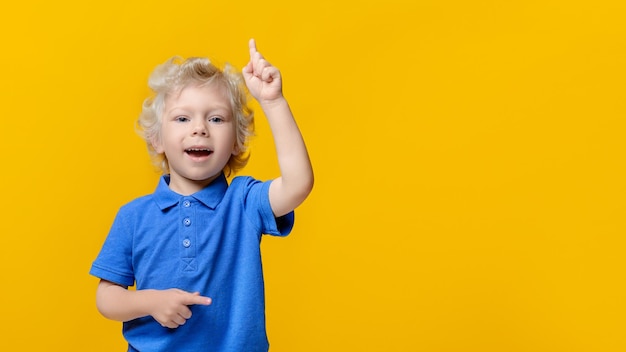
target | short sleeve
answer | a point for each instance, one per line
(258, 208)
(114, 262)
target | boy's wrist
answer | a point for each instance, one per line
(270, 105)
(145, 302)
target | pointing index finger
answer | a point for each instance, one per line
(197, 299)
(252, 46)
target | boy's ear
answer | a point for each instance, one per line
(236, 150)
(156, 144)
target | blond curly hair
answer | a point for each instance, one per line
(176, 74)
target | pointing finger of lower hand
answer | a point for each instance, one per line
(195, 298)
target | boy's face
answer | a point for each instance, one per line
(197, 136)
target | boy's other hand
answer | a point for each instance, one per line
(171, 307)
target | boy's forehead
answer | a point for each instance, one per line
(211, 86)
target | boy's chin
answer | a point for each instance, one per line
(205, 178)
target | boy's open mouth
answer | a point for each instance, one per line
(198, 152)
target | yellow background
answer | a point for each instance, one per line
(469, 159)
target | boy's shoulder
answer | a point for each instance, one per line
(245, 184)
(139, 202)
(242, 180)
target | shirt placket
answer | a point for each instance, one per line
(187, 237)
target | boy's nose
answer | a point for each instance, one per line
(200, 129)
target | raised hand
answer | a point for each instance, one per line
(171, 307)
(263, 79)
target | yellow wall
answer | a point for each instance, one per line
(469, 155)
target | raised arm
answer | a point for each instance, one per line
(295, 182)
(169, 307)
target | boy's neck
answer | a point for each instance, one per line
(187, 187)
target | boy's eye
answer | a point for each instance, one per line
(181, 118)
(216, 119)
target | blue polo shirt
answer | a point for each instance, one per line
(207, 242)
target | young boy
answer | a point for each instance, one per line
(192, 248)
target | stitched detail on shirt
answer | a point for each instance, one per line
(189, 264)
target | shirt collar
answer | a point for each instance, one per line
(210, 195)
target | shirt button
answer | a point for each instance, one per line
(186, 243)
(187, 221)
(186, 204)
